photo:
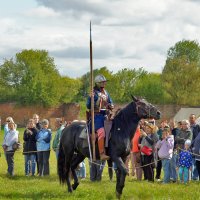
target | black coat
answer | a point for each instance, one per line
(39, 126)
(30, 140)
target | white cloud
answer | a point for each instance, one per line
(41, 12)
(126, 33)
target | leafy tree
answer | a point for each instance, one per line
(33, 79)
(189, 49)
(181, 81)
(123, 83)
(181, 73)
(150, 87)
(71, 88)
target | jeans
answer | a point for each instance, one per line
(10, 162)
(184, 174)
(194, 170)
(81, 172)
(166, 169)
(43, 161)
(173, 172)
(30, 163)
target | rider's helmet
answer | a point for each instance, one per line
(99, 79)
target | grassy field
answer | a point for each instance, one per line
(22, 187)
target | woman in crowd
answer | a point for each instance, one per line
(165, 152)
(29, 150)
(10, 139)
(183, 134)
(159, 162)
(43, 139)
(148, 140)
(6, 129)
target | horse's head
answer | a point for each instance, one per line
(146, 110)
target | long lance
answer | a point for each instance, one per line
(92, 96)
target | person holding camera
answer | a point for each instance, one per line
(147, 142)
(165, 152)
(11, 138)
(6, 129)
(30, 149)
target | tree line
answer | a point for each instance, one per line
(31, 78)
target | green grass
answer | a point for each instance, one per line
(22, 187)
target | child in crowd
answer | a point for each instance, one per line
(185, 163)
(165, 151)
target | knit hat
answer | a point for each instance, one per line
(188, 142)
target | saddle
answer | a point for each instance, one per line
(107, 127)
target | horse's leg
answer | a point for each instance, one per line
(121, 175)
(78, 159)
(118, 182)
(110, 169)
(64, 160)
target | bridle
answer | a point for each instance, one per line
(138, 106)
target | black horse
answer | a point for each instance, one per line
(122, 132)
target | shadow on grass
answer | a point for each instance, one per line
(44, 194)
(27, 178)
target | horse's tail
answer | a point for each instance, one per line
(61, 165)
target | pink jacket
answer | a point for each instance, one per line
(165, 147)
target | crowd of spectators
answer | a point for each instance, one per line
(173, 147)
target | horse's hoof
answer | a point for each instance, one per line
(118, 195)
(70, 190)
(75, 185)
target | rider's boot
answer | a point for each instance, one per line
(103, 156)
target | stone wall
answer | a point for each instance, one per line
(21, 114)
(68, 112)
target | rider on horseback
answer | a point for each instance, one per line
(102, 104)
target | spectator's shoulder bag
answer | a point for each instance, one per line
(146, 150)
(16, 146)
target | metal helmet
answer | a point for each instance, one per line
(99, 78)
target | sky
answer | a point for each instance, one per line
(125, 33)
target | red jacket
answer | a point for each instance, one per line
(135, 141)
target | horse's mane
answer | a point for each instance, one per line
(127, 110)
(126, 118)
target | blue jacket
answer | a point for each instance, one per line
(185, 159)
(43, 139)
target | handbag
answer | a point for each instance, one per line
(16, 146)
(146, 150)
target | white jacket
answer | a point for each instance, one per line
(10, 138)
